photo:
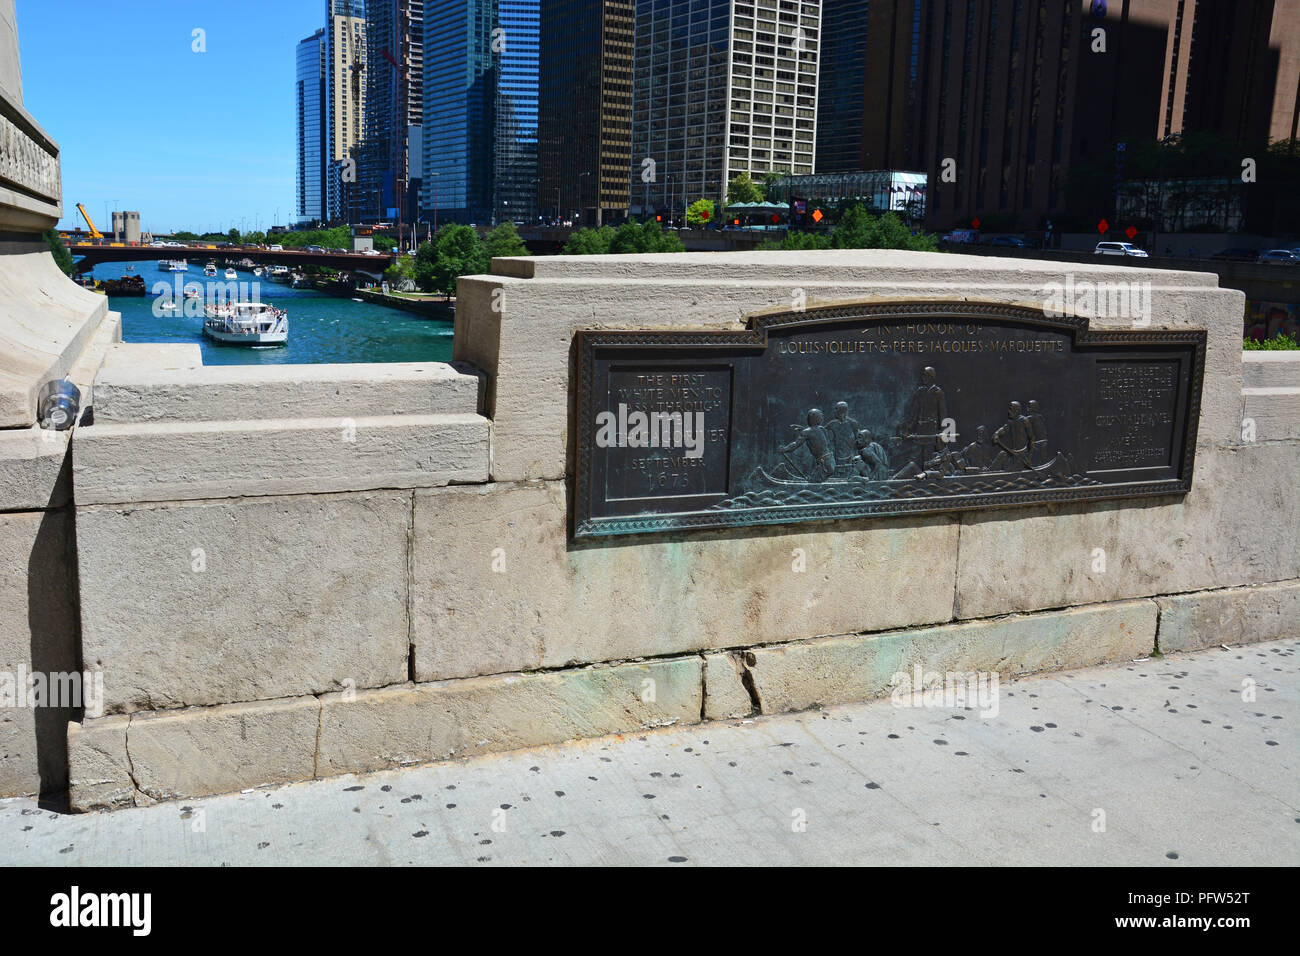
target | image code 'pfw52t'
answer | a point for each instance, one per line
(854, 410)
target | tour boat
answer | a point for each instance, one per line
(176, 265)
(279, 274)
(246, 323)
(231, 274)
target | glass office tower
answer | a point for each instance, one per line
(842, 92)
(585, 101)
(516, 46)
(480, 110)
(311, 128)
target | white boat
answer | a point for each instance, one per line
(279, 274)
(298, 280)
(176, 265)
(210, 269)
(257, 270)
(231, 274)
(165, 265)
(246, 323)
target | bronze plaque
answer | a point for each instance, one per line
(883, 409)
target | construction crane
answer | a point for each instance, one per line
(94, 233)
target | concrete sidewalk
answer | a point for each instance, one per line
(1155, 762)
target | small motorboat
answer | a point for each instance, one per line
(231, 274)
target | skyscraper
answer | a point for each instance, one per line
(997, 100)
(842, 94)
(394, 105)
(310, 83)
(585, 108)
(345, 94)
(721, 87)
(480, 109)
(517, 48)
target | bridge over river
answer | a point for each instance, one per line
(95, 253)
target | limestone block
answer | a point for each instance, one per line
(1270, 369)
(167, 461)
(129, 389)
(1230, 616)
(38, 633)
(1236, 526)
(154, 356)
(208, 750)
(99, 772)
(292, 596)
(424, 722)
(857, 667)
(34, 471)
(498, 587)
(1275, 412)
(518, 325)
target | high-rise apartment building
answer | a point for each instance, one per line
(721, 87)
(394, 106)
(585, 108)
(310, 96)
(345, 97)
(480, 110)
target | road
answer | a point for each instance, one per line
(1158, 762)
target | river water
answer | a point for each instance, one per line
(322, 328)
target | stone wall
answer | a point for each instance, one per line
(283, 573)
(288, 574)
(49, 328)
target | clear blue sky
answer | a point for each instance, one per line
(191, 140)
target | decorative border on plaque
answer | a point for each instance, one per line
(756, 338)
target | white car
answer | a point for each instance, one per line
(277, 248)
(1119, 249)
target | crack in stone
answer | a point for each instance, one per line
(130, 764)
(743, 661)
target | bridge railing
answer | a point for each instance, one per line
(31, 187)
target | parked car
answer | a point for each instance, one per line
(277, 248)
(1237, 255)
(1281, 257)
(1014, 242)
(1119, 249)
(314, 249)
